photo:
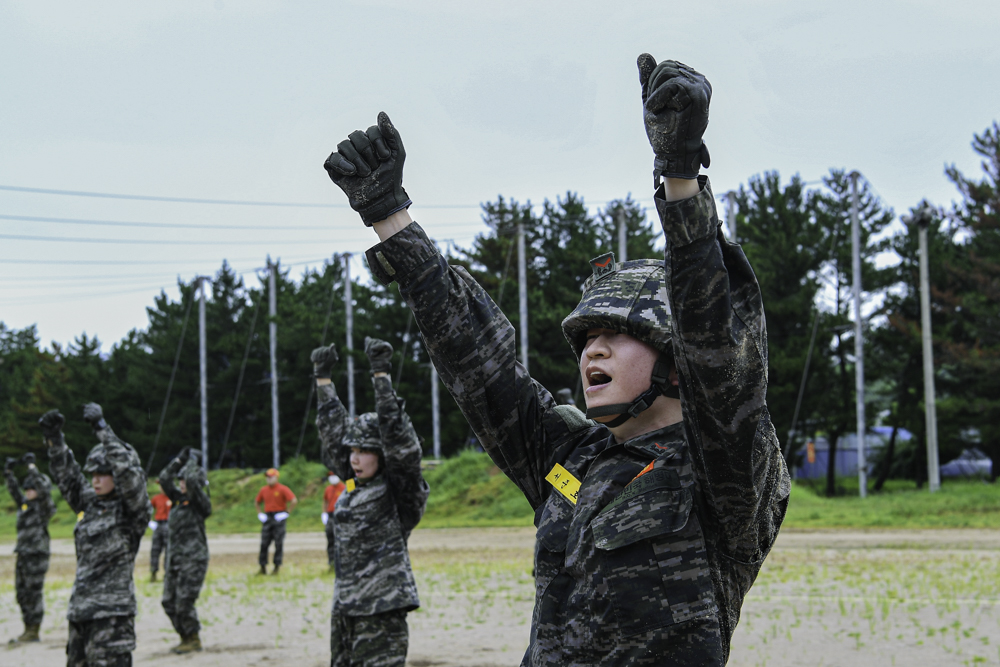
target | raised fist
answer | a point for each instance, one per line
(379, 355)
(675, 100)
(93, 415)
(184, 455)
(51, 423)
(368, 167)
(323, 359)
(9, 463)
(28, 458)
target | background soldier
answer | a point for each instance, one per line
(278, 500)
(161, 531)
(379, 456)
(113, 508)
(34, 509)
(330, 496)
(653, 523)
(187, 551)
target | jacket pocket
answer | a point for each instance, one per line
(655, 563)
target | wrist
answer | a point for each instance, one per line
(380, 374)
(322, 382)
(676, 189)
(392, 225)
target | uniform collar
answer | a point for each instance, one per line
(667, 441)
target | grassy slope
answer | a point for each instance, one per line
(469, 490)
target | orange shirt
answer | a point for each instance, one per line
(331, 494)
(275, 498)
(161, 503)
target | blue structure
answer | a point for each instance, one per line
(847, 452)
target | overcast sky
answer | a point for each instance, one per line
(244, 100)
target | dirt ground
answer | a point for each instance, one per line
(823, 598)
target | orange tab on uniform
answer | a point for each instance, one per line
(564, 482)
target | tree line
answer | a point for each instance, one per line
(796, 237)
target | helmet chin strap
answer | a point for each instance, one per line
(660, 385)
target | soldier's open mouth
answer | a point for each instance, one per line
(599, 378)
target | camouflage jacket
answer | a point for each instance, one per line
(188, 542)
(108, 530)
(373, 522)
(32, 515)
(643, 568)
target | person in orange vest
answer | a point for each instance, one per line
(329, 502)
(161, 532)
(278, 501)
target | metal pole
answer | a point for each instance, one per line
(435, 412)
(622, 236)
(349, 321)
(522, 293)
(731, 214)
(203, 374)
(272, 309)
(930, 406)
(859, 341)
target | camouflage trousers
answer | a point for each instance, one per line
(329, 541)
(272, 531)
(181, 587)
(102, 642)
(161, 538)
(29, 582)
(380, 640)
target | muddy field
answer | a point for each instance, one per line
(831, 598)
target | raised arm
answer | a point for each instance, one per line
(400, 443)
(75, 489)
(196, 482)
(169, 474)
(13, 488)
(331, 415)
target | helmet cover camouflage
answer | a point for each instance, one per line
(627, 297)
(363, 433)
(97, 462)
(32, 480)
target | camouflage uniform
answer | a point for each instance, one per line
(32, 543)
(187, 552)
(655, 573)
(102, 605)
(374, 587)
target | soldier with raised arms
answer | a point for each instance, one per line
(378, 455)
(186, 484)
(113, 509)
(35, 507)
(652, 521)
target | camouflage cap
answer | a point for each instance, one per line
(97, 462)
(363, 433)
(627, 297)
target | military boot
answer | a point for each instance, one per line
(275, 570)
(263, 569)
(30, 634)
(188, 644)
(152, 575)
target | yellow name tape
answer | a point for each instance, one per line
(350, 485)
(564, 482)
(24, 507)
(79, 516)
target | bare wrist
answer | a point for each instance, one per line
(676, 189)
(392, 225)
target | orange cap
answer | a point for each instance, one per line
(271, 472)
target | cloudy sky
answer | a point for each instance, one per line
(242, 101)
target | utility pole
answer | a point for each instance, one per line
(622, 235)
(922, 219)
(203, 373)
(435, 412)
(272, 309)
(731, 215)
(349, 317)
(522, 293)
(859, 340)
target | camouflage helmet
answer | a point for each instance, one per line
(363, 433)
(627, 297)
(33, 480)
(97, 462)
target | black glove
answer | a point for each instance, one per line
(28, 458)
(9, 463)
(184, 455)
(323, 359)
(379, 355)
(675, 101)
(93, 415)
(51, 423)
(368, 167)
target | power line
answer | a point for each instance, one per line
(83, 239)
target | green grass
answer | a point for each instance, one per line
(468, 490)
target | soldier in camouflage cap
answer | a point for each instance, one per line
(378, 455)
(35, 508)
(654, 520)
(113, 509)
(185, 483)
